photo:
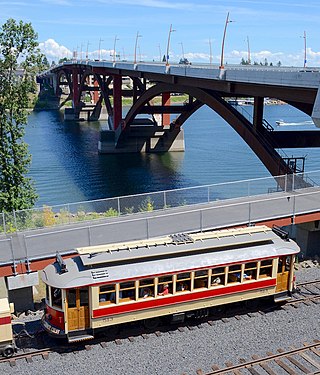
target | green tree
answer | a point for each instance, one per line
(18, 49)
(45, 63)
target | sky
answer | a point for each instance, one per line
(276, 30)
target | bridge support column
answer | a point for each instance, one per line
(166, 116)
(72, 114)
(117, 101)
(316, 110)
(307, 235)
(95, 92)
(75, 89)
(258, 112)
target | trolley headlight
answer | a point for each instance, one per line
(49, 316)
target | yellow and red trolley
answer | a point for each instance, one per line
(7, 344)
(176, 276)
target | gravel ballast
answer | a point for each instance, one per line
(185, 351)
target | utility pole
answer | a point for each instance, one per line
(223, 40)
(100, 40)
(168, 45)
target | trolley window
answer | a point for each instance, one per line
(165, 285)
(201, 279)
(234, 274)
(218, 276)
(183, 281)
(56, 297)
(72, 298)
(250, 271)
(265, 268)
(107, 294)
(84, 297)
(146, 288)
(48, 294)
(127, 291)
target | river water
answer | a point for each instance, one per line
(66, 166)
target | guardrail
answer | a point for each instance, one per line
(70, 213)
(26, 247)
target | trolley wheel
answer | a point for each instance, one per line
(8, 351)
(151, 323)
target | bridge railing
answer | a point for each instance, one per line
(30, 246)
(52, 216)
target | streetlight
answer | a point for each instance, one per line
(210, 47)
(114, 48)
(168, 44)
(88, 44)
(100, 40)
(182, 50)
(223, 40)
(160, 55)
(249, 57)
(135, 47)
(81, 52)
(305, 49)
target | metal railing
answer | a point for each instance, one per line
(86, 211)
(30, 246)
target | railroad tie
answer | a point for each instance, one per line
(309, 359)
(230, 364)
(249, 367)
(266, 368)
(295, 362)
(283, 365)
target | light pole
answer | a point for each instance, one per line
(100, 40)
(87, 53)
(182, 50)
(81, 52)
(168, 45)
(249, 57)
(305, 49)
(210, 49)
(159, 52)
(223, 40)
(135, 47)
(114, 48)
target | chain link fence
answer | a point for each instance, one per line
(60, 215)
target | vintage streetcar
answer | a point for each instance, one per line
(176, 276)
(7, 344)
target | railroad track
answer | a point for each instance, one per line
(28, 356)
(307, 293)
(303, 360)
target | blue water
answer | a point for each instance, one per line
(66, 166)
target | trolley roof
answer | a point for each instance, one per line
(169, 254)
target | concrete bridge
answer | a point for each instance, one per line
(149, 127)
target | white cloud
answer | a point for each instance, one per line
(53, 50)
(153, 3)
(57, 2)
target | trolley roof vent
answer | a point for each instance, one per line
(61, 262)
(280, 232)
(99, 274)
(180, 238)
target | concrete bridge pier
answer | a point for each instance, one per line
(307, 236)
(144, 136)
